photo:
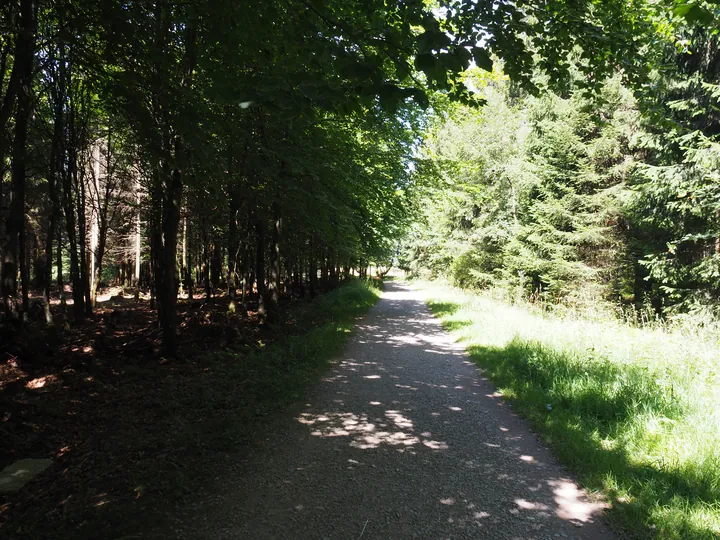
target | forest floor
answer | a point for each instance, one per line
(402, 438)
(633, 410)
(124, 426)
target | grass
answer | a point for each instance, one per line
(635, 412)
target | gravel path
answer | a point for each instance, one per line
(404, 438)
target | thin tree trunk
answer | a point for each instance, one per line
(183, 257)
(23, 43)
(260, 265)
(168, 289)
(206, 263)
(70, 205)
(215, 263)
(331, 268)
(54, 214)
(82, 242)
(15, 228)
(137, 240)
(323, 265)
(47, 268)
(189, 263)
(22, 249)
(156, 246)
(313, 265)
(233, 245)
(275, 259)
(98, 257)
(60, 282)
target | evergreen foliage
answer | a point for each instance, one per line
(583, 198)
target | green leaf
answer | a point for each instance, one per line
(426, 63)
(418, 96)
(390, 96)
(482, 58)
(432, 40)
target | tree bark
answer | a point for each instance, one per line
(60, 282)
(167, 293)
(156, 213)
(183, 256)
(233, 245)
(14, 243)
(215, 263)
(206, 263)
(323, 265)
(54, 215)
(137, 241)
(274, 295)
(82, 243)
(313, 265)
(260, 265)
(15, 83)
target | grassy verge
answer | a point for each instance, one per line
(269, 378)
(634, 412)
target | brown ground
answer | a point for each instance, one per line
(97, 399)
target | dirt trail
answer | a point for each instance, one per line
(404, 438)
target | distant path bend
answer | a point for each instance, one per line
(402, 439)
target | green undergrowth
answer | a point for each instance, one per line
(268, 378)
(634, 412)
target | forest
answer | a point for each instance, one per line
(603, 200)
(195, 195)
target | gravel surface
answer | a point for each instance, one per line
(403, 438)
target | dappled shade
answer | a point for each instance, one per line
(403, 436)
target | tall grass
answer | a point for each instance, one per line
(634, 411)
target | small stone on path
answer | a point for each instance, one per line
(15, 476)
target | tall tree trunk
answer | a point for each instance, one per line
(94, 274)
(323, 265)
(168, 289)
(82, 243)
(98, 258)
(47, 268)
(54, 214)
(156, 213)
(60, 281)
(260, 264)
(183, 256)
(22, 249)
(331, 268)
(313, 265)
(216, 263)
(137, 240)
(70, 206)
(233, 245)
(275, 259)
(102, 207)
(206, 263)
(24, 37)
(245, 268)
(189, 275)
(14, 243)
